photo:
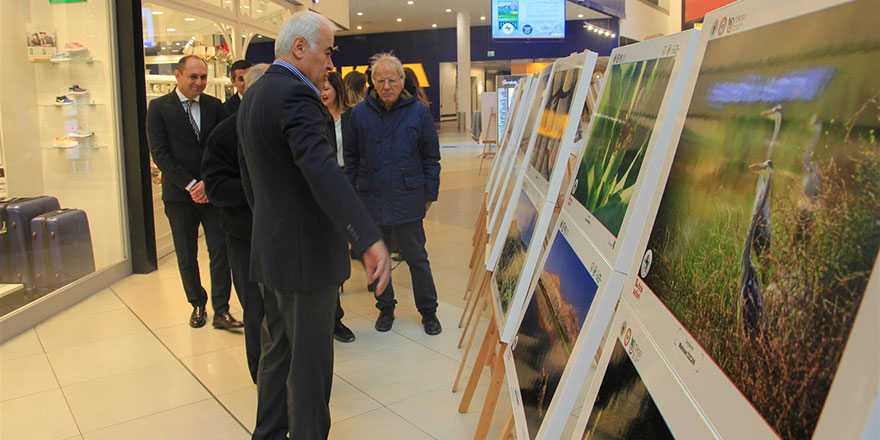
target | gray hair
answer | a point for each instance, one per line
(386, 59)
(301, 24)
(254, 73)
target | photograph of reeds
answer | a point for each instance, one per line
(534, 110)
(554, 120)
(618, 140)
(513, 254)
(769, 225)
(624, 409)
(550, 328)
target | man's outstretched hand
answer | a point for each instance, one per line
(377, 264)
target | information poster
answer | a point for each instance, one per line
(528, 19)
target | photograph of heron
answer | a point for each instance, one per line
(624, 408)
(769, 225)
(550, 328)
(513, 254)
(619, 138)
(554, 120)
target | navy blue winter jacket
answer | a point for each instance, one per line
(392, 158)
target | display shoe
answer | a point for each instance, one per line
(63, 100)
(342, 333)
(199, 317)
(431, 323)
(64, 142)
(385, 320)
(225, 321)
(80, 134)
(76, 90)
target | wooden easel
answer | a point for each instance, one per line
(491, 355)
(488, 143)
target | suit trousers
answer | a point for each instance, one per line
(184, 218)
(249, 296)
(411, 242)
(296, 367)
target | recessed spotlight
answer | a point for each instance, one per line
(158, 12)
(590, 27)
(259, 11)
(399, 19)
(613, 35)
(170, 29)
(580, 15)
(360, 13)
(162, 48)
(360, 27)
(448, 10)
(410, 2)
(259, 36)
(178, 43)
(246, 6)
(434, 25)
(607, 34)
(482, 17)
(189, 19)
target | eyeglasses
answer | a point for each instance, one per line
(391, 82)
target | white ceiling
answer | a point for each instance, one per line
(381, 15)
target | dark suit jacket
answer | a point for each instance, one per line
(222, 176)
(173, 143)
(231, 104)
(304, 208)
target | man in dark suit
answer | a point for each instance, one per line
(178, 125)
(238, 70)
(304, 210)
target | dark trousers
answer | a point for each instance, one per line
(184, 218)
(249, 296)
(411, 243)
(296, 368)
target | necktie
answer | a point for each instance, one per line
(192, 121)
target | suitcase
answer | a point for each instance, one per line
(16, 258)
(62, 248)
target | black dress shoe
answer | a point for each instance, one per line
(199, 317)
(342, 333)
(225, 321)
(431, 323)
(385, 320)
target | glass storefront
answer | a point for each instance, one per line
(61, 190)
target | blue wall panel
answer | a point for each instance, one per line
(435, 46)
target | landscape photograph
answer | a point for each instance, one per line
(769, 225)
(516, 244)
(624, 408)
(550, 328)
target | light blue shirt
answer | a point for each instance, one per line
(299, 74)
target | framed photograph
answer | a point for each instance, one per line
(564, 320)
(634, 394)
(759, 275)
(628, 142)
(500, 173)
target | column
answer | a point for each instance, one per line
(463, 39)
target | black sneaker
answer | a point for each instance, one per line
(342, 333)
(385, 320)
(431, 323)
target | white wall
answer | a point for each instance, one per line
(479, 73)
(644, 20)
(447, 89)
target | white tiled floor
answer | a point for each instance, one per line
(124, 363)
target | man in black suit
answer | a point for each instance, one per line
(304, 210)
(239, 68)
(178, 125)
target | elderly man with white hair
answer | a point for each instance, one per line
(392, 157)
(304, 212)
